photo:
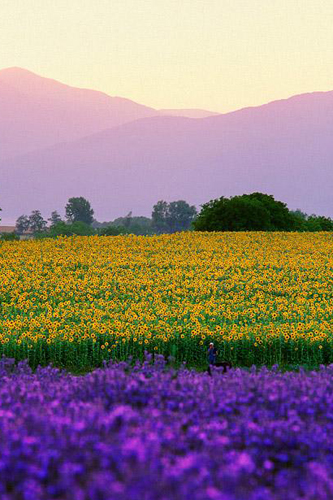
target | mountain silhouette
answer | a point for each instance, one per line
(284, 148)
(37, 112)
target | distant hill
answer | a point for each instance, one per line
(37, 112)
(284, 148)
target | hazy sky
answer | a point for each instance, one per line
(213, 54)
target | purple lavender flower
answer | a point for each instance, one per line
(150, 433)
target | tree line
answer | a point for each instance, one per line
(248, 212)
(79, 220)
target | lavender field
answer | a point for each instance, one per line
(148, 432)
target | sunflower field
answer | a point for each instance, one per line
(262, 298)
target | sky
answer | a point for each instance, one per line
(218, 55)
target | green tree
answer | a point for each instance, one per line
(55, 218)
(80, 228)
(304, 222)
(112, 231)
(160, 217)
(60, 229)
(180, 216)
(212, 216)
(246, 214)
(9, 237)
(281, 218)
(300, 220)
(79, 210)
(137, 225)
(319, 223)
(249, 212)
(172, 217)
(22, 224)
(36, 222)
(77, 228)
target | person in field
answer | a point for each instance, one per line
(211, 355)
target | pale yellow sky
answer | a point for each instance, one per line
(213, 54)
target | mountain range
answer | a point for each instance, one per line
(58, 141)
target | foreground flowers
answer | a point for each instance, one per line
(149, 433)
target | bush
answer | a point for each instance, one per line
(112, 231)
(313, 223)
(76, 228)
(249, 212)
(9, 237)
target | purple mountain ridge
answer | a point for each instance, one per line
(37, 112)
(284, 148)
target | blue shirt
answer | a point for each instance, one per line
(212, 355)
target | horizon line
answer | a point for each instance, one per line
(168, 108)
